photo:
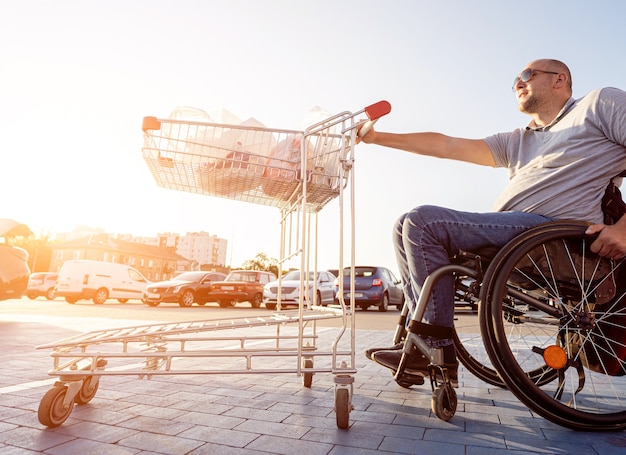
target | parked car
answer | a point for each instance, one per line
(42, 284)
(14, 269)
(290, 289)
(372, 286)
(241, 286)
(185, 289)
(99, 281)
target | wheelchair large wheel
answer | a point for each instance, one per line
(553, 321)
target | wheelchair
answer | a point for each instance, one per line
(552, 327)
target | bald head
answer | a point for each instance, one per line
(557, 66)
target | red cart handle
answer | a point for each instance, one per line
(374, 112)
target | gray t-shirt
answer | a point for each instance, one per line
(562, 170)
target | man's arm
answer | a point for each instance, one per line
(611, 241)
(434, 144)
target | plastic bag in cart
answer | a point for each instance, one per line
(283, 173)
(238, 162)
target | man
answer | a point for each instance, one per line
(559, 167)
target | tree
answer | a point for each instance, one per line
(39, 251)
(261, 262)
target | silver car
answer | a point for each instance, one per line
(42, 284)
(290, 289)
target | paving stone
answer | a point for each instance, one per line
(412, 446)
(33, 439)
(159, 443)
(88, 447)
(284, 446)
(224, 436)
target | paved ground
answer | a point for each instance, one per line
(264, 413)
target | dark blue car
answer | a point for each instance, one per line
(372, 286)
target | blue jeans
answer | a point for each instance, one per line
(426, 237)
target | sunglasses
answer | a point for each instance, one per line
(527, 75)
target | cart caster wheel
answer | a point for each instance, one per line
(87, 390)
(444, 402)
(307, 378)
(52, 412)
(342, 408)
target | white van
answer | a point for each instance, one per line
(99, 281)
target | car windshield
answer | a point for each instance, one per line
(360, 271)
(295, 275)
(189, 276)
(250, 277)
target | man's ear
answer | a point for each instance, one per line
(561, 80)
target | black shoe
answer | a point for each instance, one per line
(408, 380)
(416, 365)
(370, 351)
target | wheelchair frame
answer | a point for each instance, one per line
(552, 318)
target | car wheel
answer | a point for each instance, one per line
(364, 306)
(256, 300)
(201, 303)
(318, 299)
(153, 304)
(100, 296)
(270, 306)
(186, 299)
(71, 300)
(122, 300)
(225, 303)
(384, 303)
(50, 294)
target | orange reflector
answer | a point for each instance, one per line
(555, 357)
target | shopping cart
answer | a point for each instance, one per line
(298, 172)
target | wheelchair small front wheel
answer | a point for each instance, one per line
(444, 402)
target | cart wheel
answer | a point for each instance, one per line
(52, 412)
(307, 378)
(444, 402)
(88, 390)
(342, 408)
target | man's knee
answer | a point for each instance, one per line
(422, 215)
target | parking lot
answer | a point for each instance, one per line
(253, 413)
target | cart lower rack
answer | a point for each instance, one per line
(298, 172)
(177, 348)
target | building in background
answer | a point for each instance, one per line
(157, 258)
(205, 249)
(155, 263)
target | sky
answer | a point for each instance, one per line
(78, 76)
